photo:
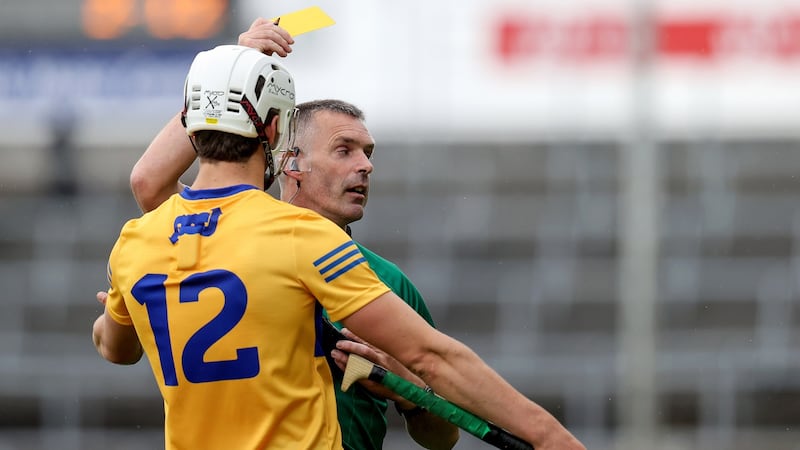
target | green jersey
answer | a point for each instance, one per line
(362, 417)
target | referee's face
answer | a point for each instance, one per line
(335, 161)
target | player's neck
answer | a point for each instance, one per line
(217, 174)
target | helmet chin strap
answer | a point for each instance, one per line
(269, 174)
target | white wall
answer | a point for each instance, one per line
(435, 67)
(433, 70)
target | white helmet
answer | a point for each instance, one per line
(221, 94)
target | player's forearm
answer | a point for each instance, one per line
(115, 343)
(456, 372)
(155, 176)
(464, 379)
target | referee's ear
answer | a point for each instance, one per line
(293, 173)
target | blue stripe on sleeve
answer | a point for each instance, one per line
(333, 252)
(344, 269)
(337, 256)
(338, 261)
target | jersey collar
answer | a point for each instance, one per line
(203, 194)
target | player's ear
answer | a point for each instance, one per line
(271, 130)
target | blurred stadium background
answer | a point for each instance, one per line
(599, 197)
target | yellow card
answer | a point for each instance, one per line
(304, 20)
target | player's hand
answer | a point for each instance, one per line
(360, 347)
(102, 297)
(268, 38)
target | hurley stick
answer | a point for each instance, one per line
(360, 368)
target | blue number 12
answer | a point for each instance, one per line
(151, 292)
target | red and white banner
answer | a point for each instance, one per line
(582, 38)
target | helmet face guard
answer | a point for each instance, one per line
(285, 147)
(233, 88)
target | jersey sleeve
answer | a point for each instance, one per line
(333, 268)
(115, 305)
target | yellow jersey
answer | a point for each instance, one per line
(225, 288)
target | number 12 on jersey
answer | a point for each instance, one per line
(151, 292)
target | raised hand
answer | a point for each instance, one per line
(267, 37)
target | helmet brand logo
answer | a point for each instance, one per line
(274, 89)
(212, 100)
(212, 105)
